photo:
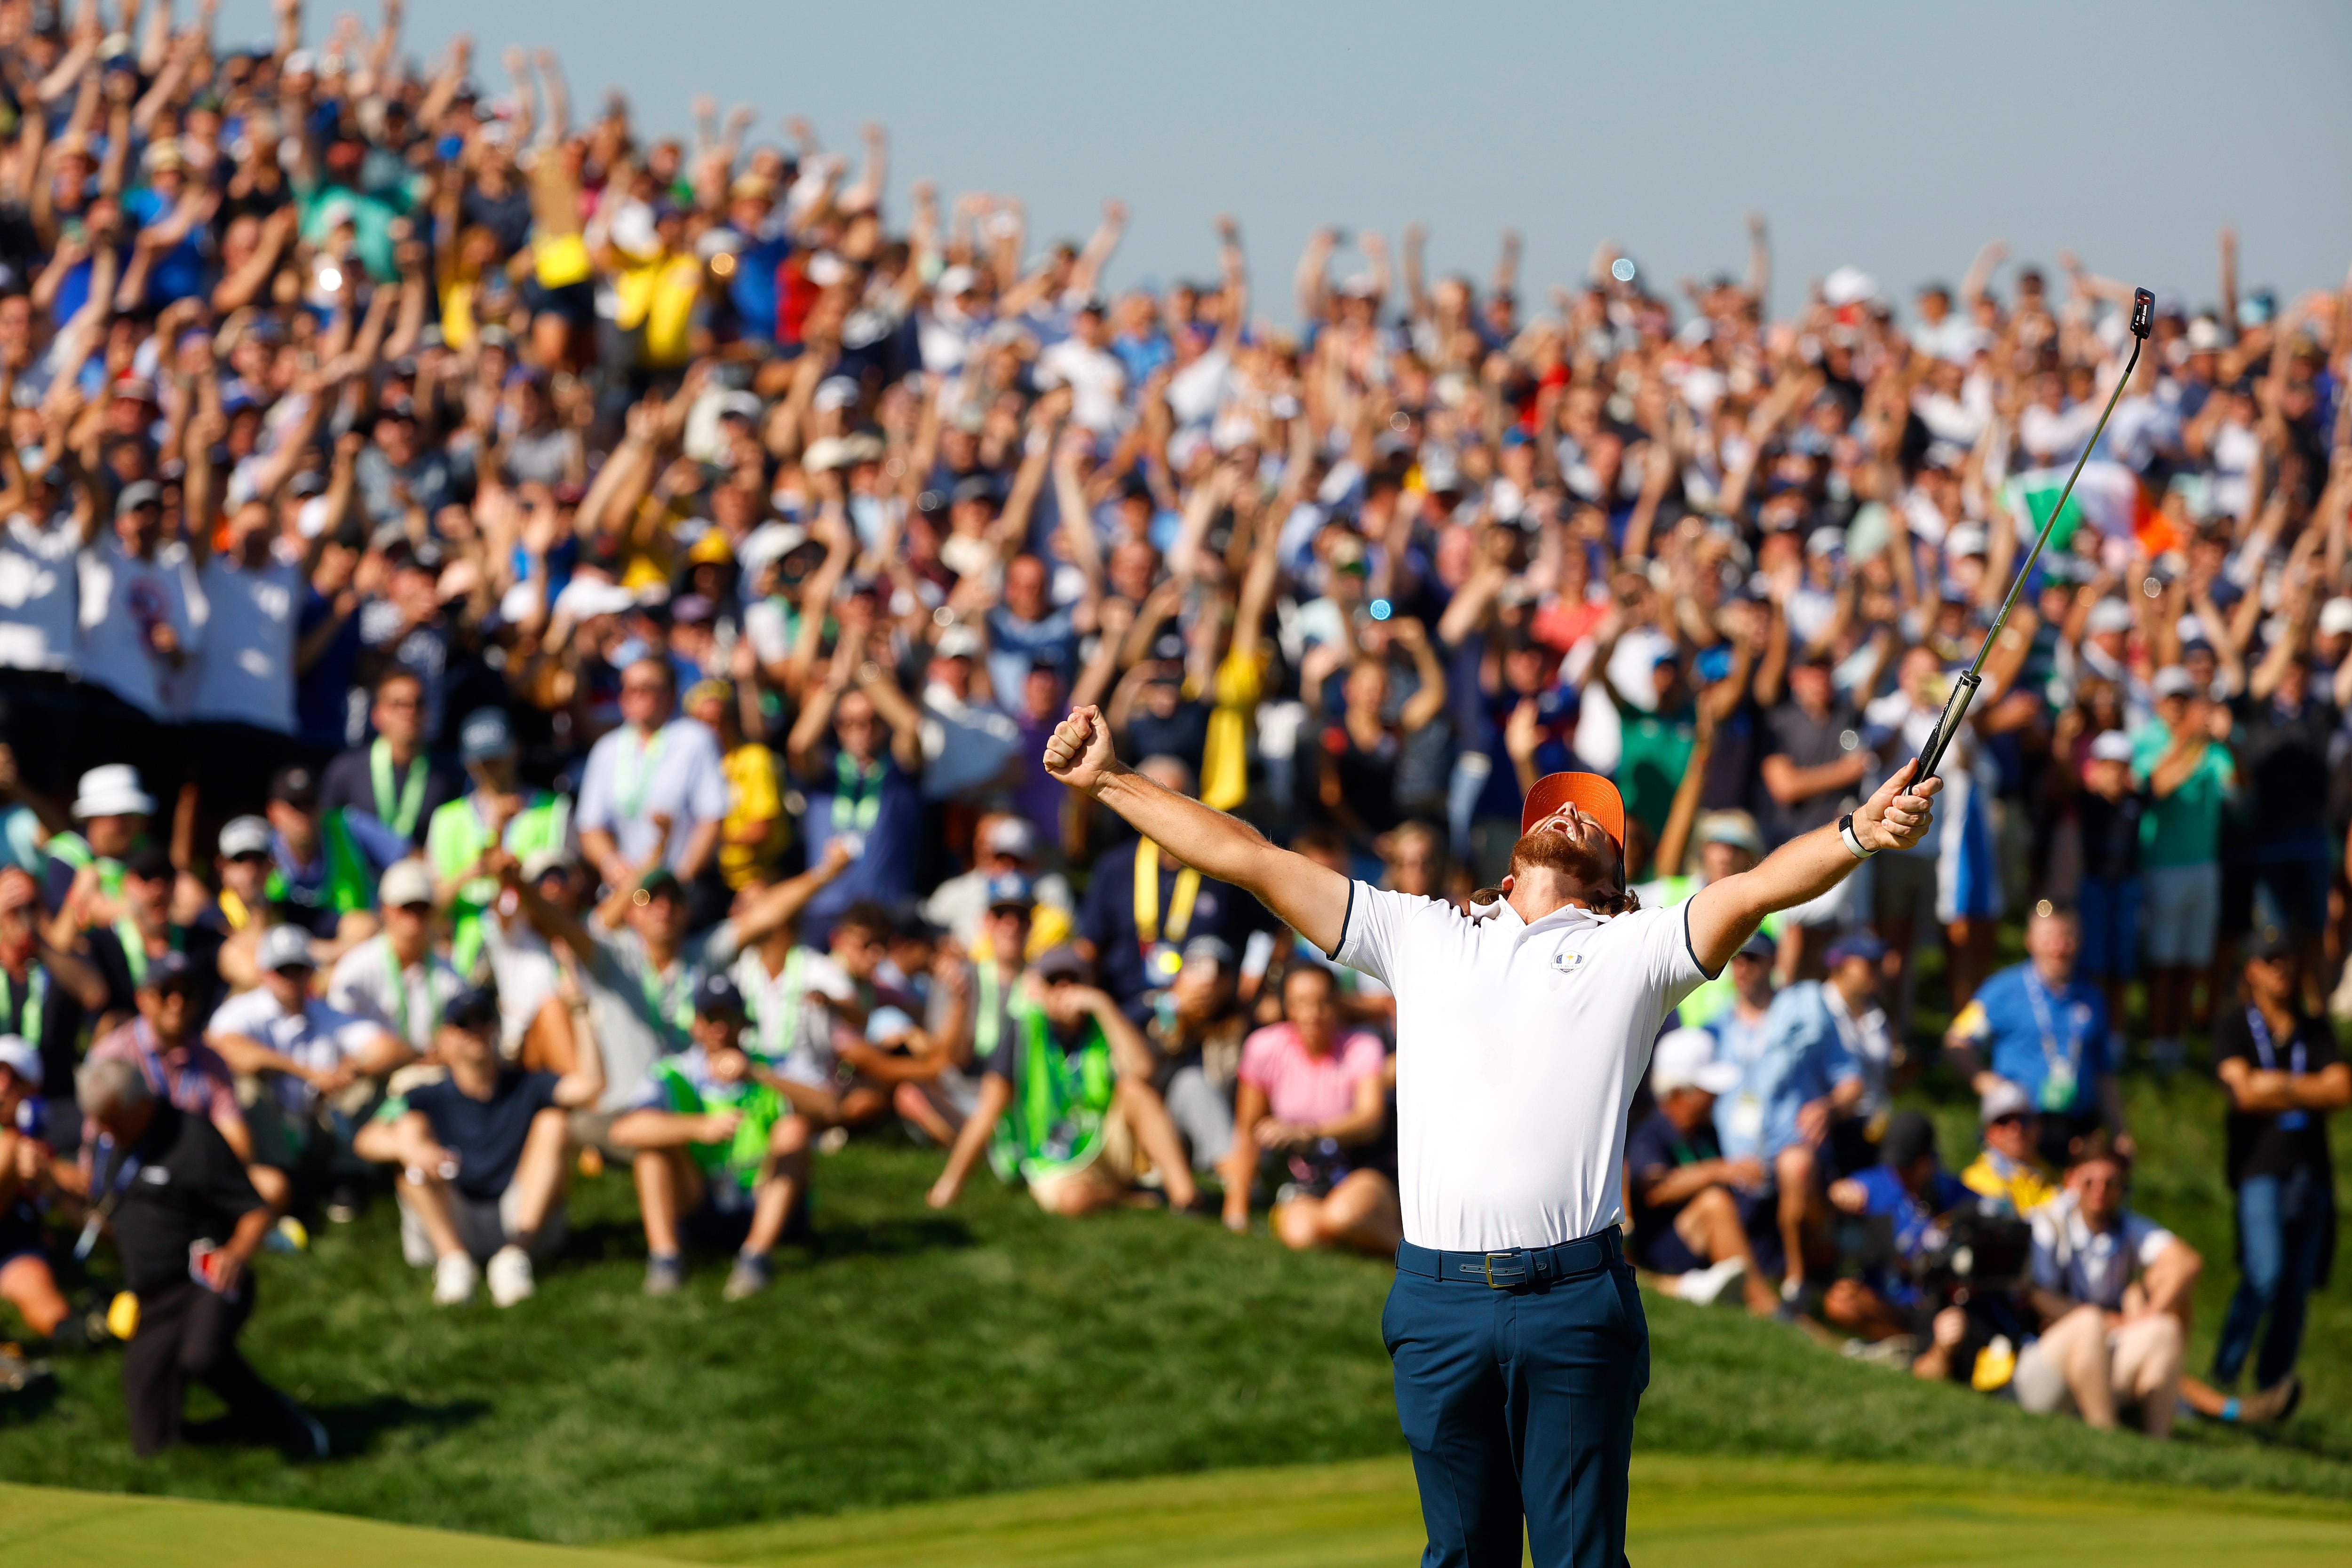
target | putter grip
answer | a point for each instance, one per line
(2143, 316)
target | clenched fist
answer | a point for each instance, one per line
(1898, 815)
(1078, 752)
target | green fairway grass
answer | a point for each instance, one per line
(1704, 1512)
(913, 1356)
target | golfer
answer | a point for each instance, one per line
(1522, 1029)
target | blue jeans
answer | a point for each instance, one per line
(1518, 1406)
(2285, 1225)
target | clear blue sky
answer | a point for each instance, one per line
(1894, 138)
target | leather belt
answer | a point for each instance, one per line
(1513, 1266)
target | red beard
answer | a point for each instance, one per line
(1558, 853)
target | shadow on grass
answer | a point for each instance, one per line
(29, 1403)
(619, 1240)
(356, 1427)
(897, 1237)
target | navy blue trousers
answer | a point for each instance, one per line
(1518, 1406)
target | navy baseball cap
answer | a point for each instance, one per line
(486, 736)
(1010, 890)
(474, 1009)
(171, 971)
(716, 995)
(1858, 943)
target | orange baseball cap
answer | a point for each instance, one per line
(1591, 793)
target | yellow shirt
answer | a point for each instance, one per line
(1225, 759)
(659, 294)
(751, 797)
(2025, 1184)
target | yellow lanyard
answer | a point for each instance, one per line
(1146, 897)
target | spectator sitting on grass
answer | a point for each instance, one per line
(26, 1280)
(1805, 1077)
(1316, 1101)
(1910, 1187)
(2009, 1168)
(307, 1053)
(1691, 1207)
(722, 1148)
(1196, 1035)
(1065, 1099)
(981, 1008)
(2113, 1290)
(394, 979)
(483, 1155)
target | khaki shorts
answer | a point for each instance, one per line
(2041, 1383)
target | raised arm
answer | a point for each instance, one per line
(1725, 914)
(1313, 899)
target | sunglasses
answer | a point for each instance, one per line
(419, 910)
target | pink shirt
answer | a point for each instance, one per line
(1300, 1087)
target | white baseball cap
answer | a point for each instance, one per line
(2111, 746)
(247, 835)
(284, 947)
(2109, 615)
(404, 882)
(2172, 680)
(2335, 617)
(21, 1057)
(113, 791)
(1685, 1059)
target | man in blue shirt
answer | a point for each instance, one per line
(1911, 1188)
(2037, 1025)
(1805, 1076)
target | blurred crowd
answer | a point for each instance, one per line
(527, 643)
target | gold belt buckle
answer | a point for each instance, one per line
(1488, 1258)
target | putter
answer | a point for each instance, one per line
(1956, 706)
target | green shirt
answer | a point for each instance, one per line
(2184, 828)
(1655, 754)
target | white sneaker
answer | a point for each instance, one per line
(510, 1274)
(454, 1278)
(1704, 1287)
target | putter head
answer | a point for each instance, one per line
(2143, 316)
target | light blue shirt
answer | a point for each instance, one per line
(1801, 1058)
(629, 780)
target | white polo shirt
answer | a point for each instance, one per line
(1518, 1050)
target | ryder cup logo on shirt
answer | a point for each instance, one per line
(1566, 959)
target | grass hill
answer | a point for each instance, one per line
(911, 1356)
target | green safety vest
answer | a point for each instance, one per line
(1054, 1124)
(75, 851)
(350, 881)
(456, 840)
(134, 945)
(741, 1157)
